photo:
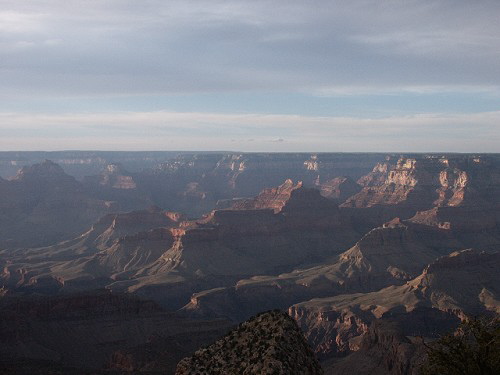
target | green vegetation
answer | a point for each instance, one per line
(474, 349)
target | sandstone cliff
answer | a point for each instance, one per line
(427, 181)
(422, 183)
(272, 198)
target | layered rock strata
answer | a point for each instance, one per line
(461, 284)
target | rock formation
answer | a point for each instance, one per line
(142, 251)
(339, 188)
(42, 205)
(269, 343)
(463, 283)
(245, 242)
(362, 279)
(385, 349)
(116, 243)
(422, 183)
(388, 255)
(272, 198)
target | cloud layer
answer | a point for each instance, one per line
(124, 46)
(251, 132)
(89, 52)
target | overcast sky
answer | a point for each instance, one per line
(250, 75)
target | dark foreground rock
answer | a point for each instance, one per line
(269, 343)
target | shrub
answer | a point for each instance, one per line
(474, 349)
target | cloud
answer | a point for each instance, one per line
(249, 132)
(150, 47)
(88, 58)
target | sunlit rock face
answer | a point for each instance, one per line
(427, 181)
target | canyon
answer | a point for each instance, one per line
(364, 251)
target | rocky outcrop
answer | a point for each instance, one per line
(265, 240)
(194, 183)
(473, 226)
(272, 198)
(378, 175)
(270, 342)
(422, 183)
(45, 173)
(426, 181)
(115, 183)
(116, 177)
(250, 173)
(339, 188)
(384, 349)
(463, 283)
(341, 269)
(410, 182)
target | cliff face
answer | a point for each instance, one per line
(463, 283)
(389, 255)
(384, 349)
(268, 343)
(418, 184)
(116, 177)
(117, 243)
(272, 198)
(233, 244)
(250, 172)
(116, 184)
(473, 226)
(194, 183)
(339, 188)
(429, 181)
(305, 228)
(43, 205)
(142, 251)
(409, 181)
(379, 173)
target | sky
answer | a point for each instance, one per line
(274, 76)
